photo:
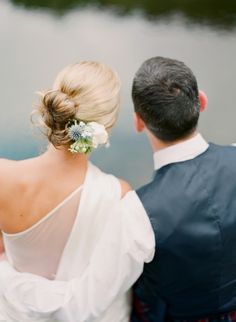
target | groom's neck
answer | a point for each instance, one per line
(158, 145)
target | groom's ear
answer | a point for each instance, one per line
(203, 101)
(138, 123)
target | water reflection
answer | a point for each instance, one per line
(214, 12)
(35, 45)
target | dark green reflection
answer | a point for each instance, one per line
(220, 13)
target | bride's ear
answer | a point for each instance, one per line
(138, 123)
(203, 101)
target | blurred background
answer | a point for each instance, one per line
(39, 37)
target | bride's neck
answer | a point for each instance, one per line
(62, 156)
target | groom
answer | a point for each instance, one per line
(191, 202)
(191, 205)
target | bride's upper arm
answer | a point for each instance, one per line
(125, 187)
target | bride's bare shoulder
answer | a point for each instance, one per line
(7, 173)
(125, 187)
(11, 173)
(8, 167)
(7, 178)
(7, 164)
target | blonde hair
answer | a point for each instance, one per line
(87, 91)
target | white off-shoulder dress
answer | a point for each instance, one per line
(60, 247)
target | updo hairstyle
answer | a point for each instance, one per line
(87, 91)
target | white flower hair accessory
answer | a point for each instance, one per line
(86, 136)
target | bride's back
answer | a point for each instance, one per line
(38, 248)
(41, 202)
(32, 188)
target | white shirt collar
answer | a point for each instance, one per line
(180, 152)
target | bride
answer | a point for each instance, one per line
(54, 207)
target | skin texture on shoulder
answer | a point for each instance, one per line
(10, 173)
(7, 175)
(10, 177)
(6, 188)
(125, 187)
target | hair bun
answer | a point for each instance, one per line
(59, 106)
(57, 109)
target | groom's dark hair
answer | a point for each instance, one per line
(165, 95)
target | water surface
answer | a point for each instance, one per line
(38, 38)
